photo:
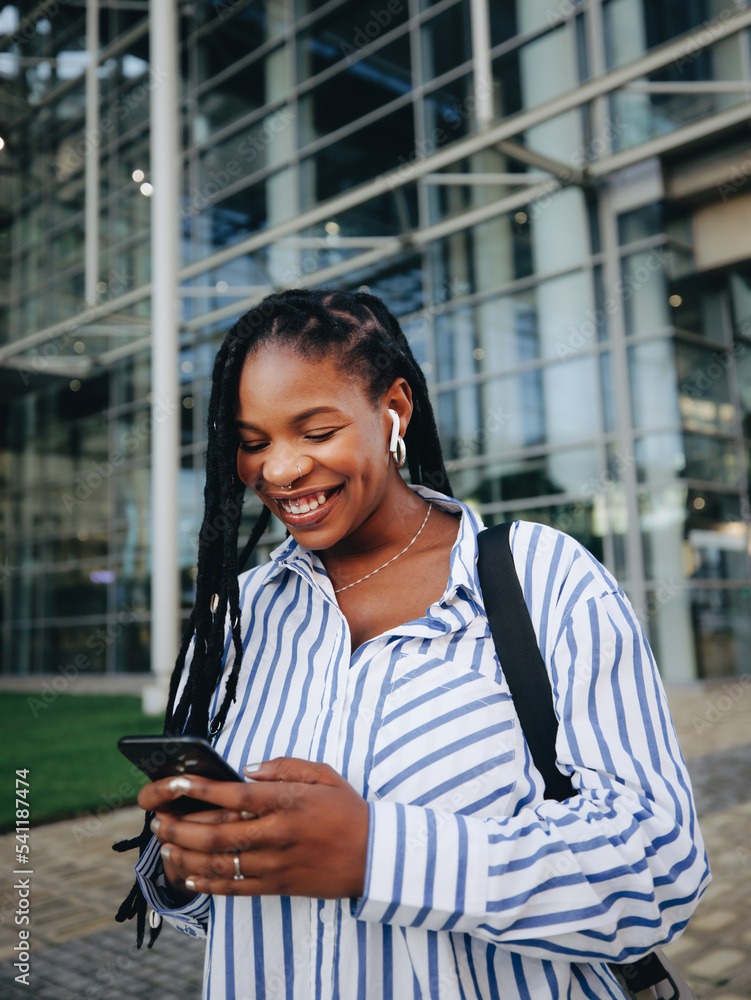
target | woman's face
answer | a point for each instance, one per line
(300, 422)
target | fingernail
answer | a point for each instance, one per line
(190, 883)
(252, 768)
(179, 785)
(166, 852)
(155, 824)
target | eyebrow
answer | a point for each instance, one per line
(312, 412)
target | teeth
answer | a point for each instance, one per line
(303, 505)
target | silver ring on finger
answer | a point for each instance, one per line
(238, 876)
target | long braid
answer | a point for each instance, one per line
(369, 342)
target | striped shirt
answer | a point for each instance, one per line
(475, 885)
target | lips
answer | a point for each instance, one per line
(307, 508)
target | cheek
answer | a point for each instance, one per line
(247, 468)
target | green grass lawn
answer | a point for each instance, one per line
(69, 746)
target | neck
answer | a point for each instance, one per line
(391, 525)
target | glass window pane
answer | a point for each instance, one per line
(705, 390)
(343, 32)
(654, 394)
(644, 292)
(659, 457)
(723, 623)
(446, 41)
(365, 86)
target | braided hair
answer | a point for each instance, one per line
(364, 339)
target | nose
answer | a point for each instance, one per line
(281, 470)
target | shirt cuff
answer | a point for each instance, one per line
(192, 918)
(424, 868)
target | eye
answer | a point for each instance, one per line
(320, 437)
(251, 447)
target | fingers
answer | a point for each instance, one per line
(219, 838)
(158, 795)
(212, 866)
(293, 769)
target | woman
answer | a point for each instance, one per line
(395, 839)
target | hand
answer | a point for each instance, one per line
(298, 829)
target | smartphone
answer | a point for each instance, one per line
(168, 756)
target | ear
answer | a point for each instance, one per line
(398, 397)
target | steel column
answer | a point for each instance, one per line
(165, 404)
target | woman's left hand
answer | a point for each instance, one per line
(307, 833)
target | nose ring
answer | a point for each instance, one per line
(299, 476)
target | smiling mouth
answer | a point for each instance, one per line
(307, 503)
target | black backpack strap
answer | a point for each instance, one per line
(524, 669)
(521, 660)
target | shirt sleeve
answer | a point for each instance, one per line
(191, 919)
(605, 876)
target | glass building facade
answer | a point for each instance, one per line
(552, 196)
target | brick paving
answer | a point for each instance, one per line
(79, 953)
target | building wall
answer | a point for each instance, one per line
(584, 328)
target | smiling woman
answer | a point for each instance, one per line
(393, 837)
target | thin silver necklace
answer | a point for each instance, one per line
(393, 559)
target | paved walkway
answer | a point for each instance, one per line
(79, 953)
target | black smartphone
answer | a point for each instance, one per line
(168, 756)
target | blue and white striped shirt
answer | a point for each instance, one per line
(475, 885)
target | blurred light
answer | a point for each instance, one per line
(147, 189)
(427, 367)
(364, 288)
(520, 218)
(102, 576)
(138, 176)
(2, 143)
(188, 402)
(186, 366)
(101, 287)
(79, 347)
(221, 286)
(82, 535)
(149, 397)
(675, 301)
(478, 354)
(332, 228)
(75, 385)
(700, 503)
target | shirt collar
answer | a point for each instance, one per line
(463, 579)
